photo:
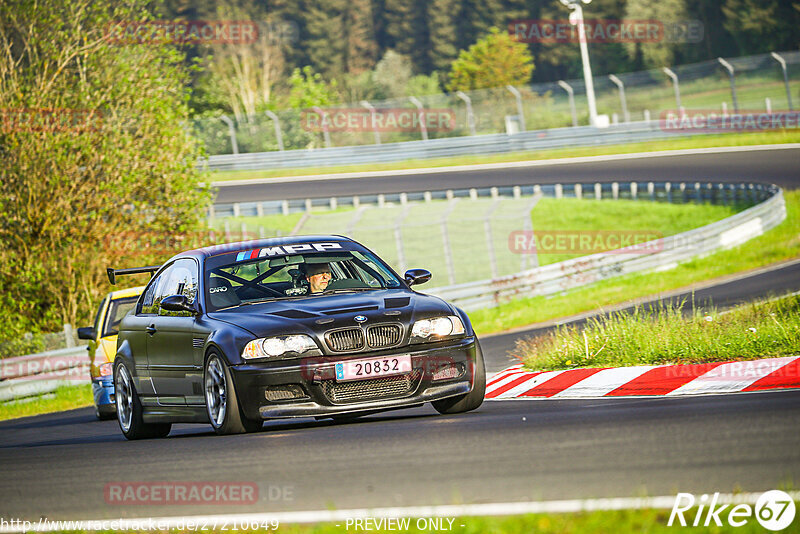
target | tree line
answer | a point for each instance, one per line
(347, 41)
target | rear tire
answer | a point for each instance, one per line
(222, 404)
(473, 399)
(129, 409)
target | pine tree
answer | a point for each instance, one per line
(362, 48)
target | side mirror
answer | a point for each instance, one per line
(87, 332)
(177, 303)
(415, 277)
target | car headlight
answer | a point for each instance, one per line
(279, 347)
(436, 328)
(106, 369)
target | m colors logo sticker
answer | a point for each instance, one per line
(286, 249)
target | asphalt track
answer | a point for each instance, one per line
(58, 465)
(773, 166)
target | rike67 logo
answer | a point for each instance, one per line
(774, 510)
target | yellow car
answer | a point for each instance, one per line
(102, 347)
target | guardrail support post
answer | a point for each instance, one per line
(277, 123)
(470, 115)
(423, 128)
(598, 191)
(231, 132)
(520, 110)
(333, 204)
(237, 210)
(578, 191)
(651, 190)
(517, 192)
(427, 196)
(559, 191)
(571, 94)
(625, 116)
(634, 191)
(284, 207)
(668, 191)
(782, 63)
(676, 86)
(308, 205)
(615, 190)
(731, 72)
(381, 200)
(473, 194)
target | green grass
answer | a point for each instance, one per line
(665, 335)
(64, 398)
(619, 216)
(780, 243)
(700, 141)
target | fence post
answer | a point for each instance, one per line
(676, 86)
(371, 110)
(470, 115)
(277, 123)
(625, 116)
(323, 116)
(568, 88)
(782, 63)
(731, 72)
(423, 128)
(231, 132)
(520, 111)
(70, 340)
(448, 252)
(531, 259)
(398, 238)
(487, 228)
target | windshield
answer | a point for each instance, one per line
(296, 276)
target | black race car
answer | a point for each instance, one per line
(287, 327)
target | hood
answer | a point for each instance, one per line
(315, 315)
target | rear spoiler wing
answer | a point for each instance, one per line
(113, 273)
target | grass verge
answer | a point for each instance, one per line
(699, 141)
(64, 398)
(664, 334)
(780, 243)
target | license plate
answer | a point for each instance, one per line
(373, 367)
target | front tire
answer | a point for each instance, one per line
(129, 409)
(473, 399)
(222, 404)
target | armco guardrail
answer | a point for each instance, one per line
(445, 147)
(669, 251)
(37, 374)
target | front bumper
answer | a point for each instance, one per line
(315, 392)
(103, 392)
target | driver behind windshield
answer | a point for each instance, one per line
(319, 276)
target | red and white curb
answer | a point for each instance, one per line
(648, 380)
